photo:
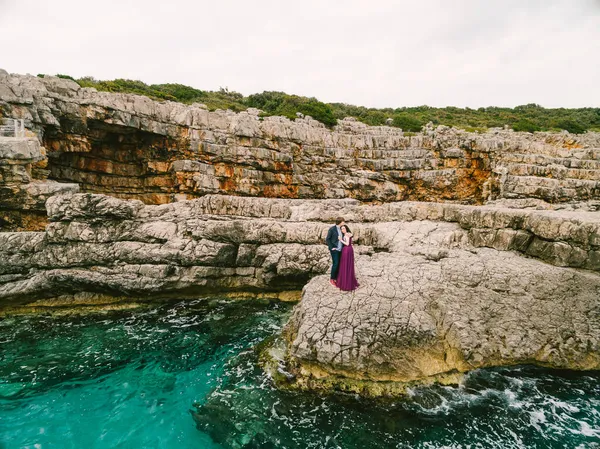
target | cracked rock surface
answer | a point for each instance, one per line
(434, 307)
(445, 288)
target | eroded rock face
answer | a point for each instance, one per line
(445, 288)
(100, 244)
(23, 194)
(435, 307)
(132, 147)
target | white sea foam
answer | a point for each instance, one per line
(588, 431)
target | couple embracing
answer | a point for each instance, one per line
(339, 242)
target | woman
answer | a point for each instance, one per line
(346, 279)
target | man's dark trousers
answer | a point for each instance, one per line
(335, 257)
(332, 241)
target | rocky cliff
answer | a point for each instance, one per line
(132, 147)
(22, 196)
(96, 244)
(498, 262)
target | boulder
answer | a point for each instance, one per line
(421, 319)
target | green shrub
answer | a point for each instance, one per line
(66, 77)
(526, 125)
(407, 123)
(475, 129)
(179, 92)
(280, 103)
(534, 116)
(571, 126)
(88, 81)
(529, 117)
(134, 87)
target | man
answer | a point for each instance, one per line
(334, 244)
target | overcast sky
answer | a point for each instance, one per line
(372, 53)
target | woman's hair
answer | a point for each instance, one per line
(347, 228)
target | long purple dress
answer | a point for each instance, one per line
(346, 279)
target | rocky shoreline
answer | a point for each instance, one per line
(473, 250)
(259, 244)
(445, 288)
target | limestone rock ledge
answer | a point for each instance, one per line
(435, 307)
(133, 147)
(445, 288)
(97, 247)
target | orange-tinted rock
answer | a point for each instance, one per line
(134, 147)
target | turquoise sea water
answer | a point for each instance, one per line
(131, 379)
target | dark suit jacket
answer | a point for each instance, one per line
(332, 238)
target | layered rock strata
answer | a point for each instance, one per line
(100, 244)
(132, 147)
(22, 196)
(445, 288)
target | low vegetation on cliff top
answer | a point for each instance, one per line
(529, 118)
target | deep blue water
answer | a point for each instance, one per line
(131, 379)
